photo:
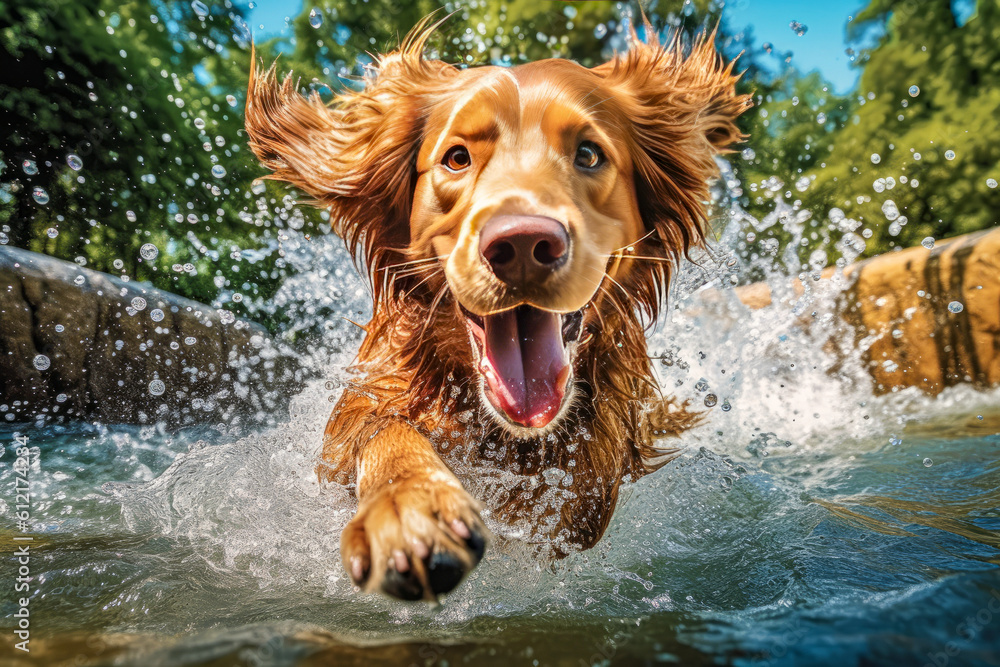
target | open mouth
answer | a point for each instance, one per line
(525, 356)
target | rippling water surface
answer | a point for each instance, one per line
(806, 522)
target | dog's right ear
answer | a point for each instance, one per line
(355, 156)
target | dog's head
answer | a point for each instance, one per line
(540, 189)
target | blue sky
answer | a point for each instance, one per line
(821, 47)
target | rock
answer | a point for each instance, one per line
(105, 358)
(922, 317)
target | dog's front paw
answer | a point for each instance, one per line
(414, 539)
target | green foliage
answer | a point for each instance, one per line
(887, 166)
(333, 50)
(939, 145)
(147, 96)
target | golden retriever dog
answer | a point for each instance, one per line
(519, 227)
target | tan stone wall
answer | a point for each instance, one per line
(898, 304)
(102, 361)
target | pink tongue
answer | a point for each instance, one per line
(524, 364)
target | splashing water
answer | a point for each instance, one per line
(767, 537)
(807, 520)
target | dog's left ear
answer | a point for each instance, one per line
(356, 156)
(681, 107)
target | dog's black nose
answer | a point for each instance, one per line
(523, 249)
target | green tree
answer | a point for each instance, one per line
(333, 41)
(922, 143)
(124, 128)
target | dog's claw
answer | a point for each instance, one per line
(359, 570)
(460, 528)
(420, 549)
(400, 561)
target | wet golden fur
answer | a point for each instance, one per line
(675, 107)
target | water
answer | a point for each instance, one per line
(801, 525)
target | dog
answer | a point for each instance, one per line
(519, 227)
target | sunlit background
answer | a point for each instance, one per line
(874, 126)
(809, 520)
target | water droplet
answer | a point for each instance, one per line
(895, 441)
(130, 216)
(879, 185)
(914, 91)
(40, 195)
(258, 187)
(41, 362)
(156, 387)
(748, 154)
(928, 242)
(955, 307)
(928, 463)
(60, 328)
(92, 96)
(156, 315)
(226, 317)
(991, 182)
(190, 340)
(199, 123)
(726, 407)
(802, 184)
(29, 167)
(118, 264)
(876, 158)
(237, 297)
(62, 398)
(711, 400)
(890, 210)
(600, 31)
(315, 18)
(52, 232)
(200, 8)
(798, 28)
(231, 99)
(74, 162)
(218, 171)
(949, 155)
(821, 118)
(138, 303)
(149, 251)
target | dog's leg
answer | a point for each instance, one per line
(417, 531)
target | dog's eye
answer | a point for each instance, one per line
(589, 156)
(457, 158)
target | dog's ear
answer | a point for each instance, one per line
(355, 156)
(681, 107)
